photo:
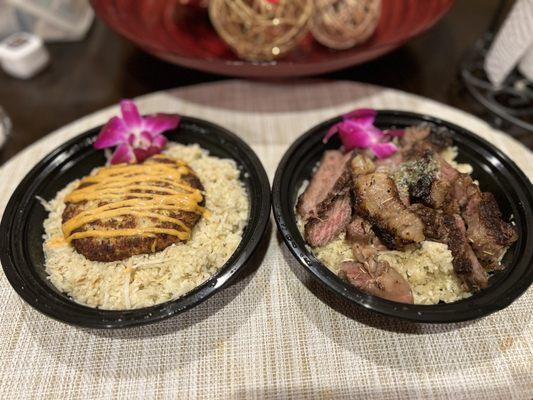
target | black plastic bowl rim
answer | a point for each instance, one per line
(19, 246)
(515, 188)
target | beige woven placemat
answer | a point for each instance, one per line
(266, 336)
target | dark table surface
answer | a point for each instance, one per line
(99, 71)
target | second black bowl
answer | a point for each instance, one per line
(495, 172)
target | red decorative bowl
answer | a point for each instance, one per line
(182, 34)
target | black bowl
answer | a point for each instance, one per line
(22, 225)
(494, 170)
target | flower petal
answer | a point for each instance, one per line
(130, 114)
(363, 116)
(159, 141)
(153, 150)
(354, 136)
(375, 134)
(137, 137)
(158, 123)
(143, 154)
(383, 150)
(113, 133)
(357, 131)
(145, 140)
(331, 131)
(123, 154)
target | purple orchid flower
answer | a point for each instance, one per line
(357, 131)
(136, 137)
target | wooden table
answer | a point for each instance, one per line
(88, 75)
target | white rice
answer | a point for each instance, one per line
(449, 154)
(145, 280)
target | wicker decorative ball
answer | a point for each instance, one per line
(261, 30)
(341, 24)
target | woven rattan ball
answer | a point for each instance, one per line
(341, 24)
(261, 30)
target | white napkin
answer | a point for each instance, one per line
(513, 45)
(5, 127)
(526, 64)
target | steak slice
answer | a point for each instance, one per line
(367, 273)
(450, 230)
(107, 249)
(430, 180)
(330, 222)
(378, 201)
(420, 138)
(441, 186)
(365, 243)
(330, 180)
(489, 234)
(435, 183)
(378, 279)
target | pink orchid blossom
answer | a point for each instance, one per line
(357, 131)
(135, 137)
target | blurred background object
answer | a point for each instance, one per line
(52, 20)
(261, 30)
(183, 33)
(498, 70)
(23, 55)
(5, 127)
(9, 22)
(526, 63)
(103, 67)
(511, 42)
(343, 24)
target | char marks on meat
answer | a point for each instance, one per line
(329, 181)
(432, 181)
(489, 234)
(428, 179)
(401, 200)
(450, 230)
(330, 222)
(377, 200)
(423, 137)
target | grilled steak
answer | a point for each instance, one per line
(329, 181)
(330, 222)
(489, 234)
(420, 138)
(120, 247)
(433, 182)
(377, 200)
(365, 243)
(430, 180)
(378, 279)
(367, 273)
(450, 229)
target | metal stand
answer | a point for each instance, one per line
(512, 102)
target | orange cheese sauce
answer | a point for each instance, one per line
(140, 190)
